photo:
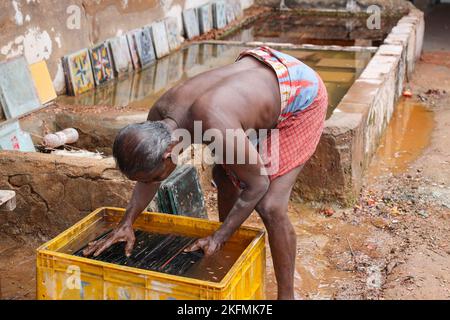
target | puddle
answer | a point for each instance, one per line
(138, 91)
(407, 135)
(292, 27)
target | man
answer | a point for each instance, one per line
(263, 89)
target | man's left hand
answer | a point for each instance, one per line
(209, 245)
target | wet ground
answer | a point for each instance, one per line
(296, 28)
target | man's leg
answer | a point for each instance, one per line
(227, 192)
(282, 238)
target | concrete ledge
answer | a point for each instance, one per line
(352, 134)
(55, 192)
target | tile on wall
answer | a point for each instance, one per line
(173, 35)
(102, 65)
(17, 92)
(229, 12)
(160, 40)
(43, 82)
(78, 71)
(219, 15)
(121, 55)
(145, 48)
(132, 45)
(190, 23)
(205, 18)
(14, 139)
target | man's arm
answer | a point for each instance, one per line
(257, 183)
(143, 193)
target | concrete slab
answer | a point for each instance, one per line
(391, 49)
(380, 66)
(362, 90)
(17, 92)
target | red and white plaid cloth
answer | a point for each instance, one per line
(304, 104)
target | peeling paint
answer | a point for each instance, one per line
(18, 17)
(37, 45)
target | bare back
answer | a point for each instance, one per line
(246, 92)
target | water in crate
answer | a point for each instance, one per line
(165, 253)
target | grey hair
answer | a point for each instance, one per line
(141, 147)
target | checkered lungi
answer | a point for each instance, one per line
(304, 104)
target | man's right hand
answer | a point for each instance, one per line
(123, 233)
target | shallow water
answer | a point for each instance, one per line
(407, 135)
(212, 268)
(291, 27)
(141, 89)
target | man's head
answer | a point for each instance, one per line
(143, 151)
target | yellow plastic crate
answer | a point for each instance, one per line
(61, 275)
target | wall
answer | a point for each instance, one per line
(354, 5)
(50, 29)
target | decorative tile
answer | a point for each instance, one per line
(43, 82)
(229, 12)
(145, 47)
(132, 45)
(121, 55)
(13, 138)
(173, 35)
(205, 18)
(219, 15)
(102, 64)
(17, 92)
(190, 23)
(79, 72)
(160, 39)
